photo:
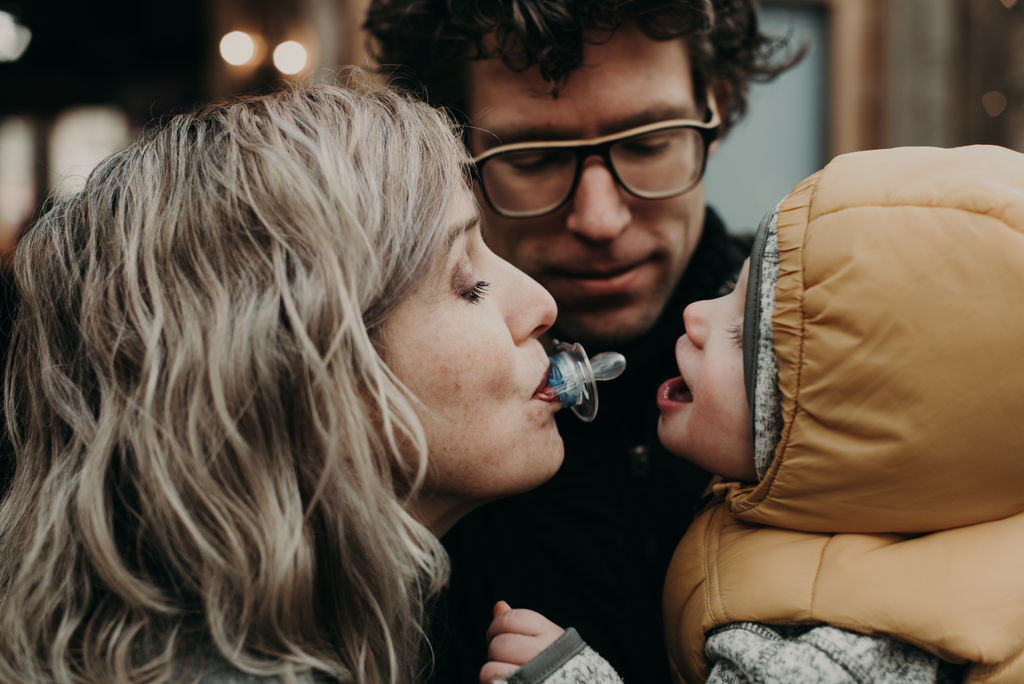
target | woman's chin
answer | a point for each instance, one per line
(448, 495)
(540, 465)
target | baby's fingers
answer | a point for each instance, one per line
(494, 670)
(523, 621)
(500, 608)
(517, 649)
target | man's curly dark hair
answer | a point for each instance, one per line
(425, 45)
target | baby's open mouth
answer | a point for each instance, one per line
(681, 393)
(676, 391)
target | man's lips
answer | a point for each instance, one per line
(596, 282)
(674, 394)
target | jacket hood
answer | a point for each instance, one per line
(898, 330)
(760, 365)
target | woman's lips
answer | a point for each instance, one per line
(544, 391)
(674, 394)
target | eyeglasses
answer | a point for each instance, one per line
(654, 161)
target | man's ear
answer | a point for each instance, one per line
(721, 90)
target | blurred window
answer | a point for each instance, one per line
(17, 176)
(783, 138)
(80, 139)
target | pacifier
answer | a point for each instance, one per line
(574, 376)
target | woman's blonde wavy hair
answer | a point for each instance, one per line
(213, 459)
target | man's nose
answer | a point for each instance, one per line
(599, 211)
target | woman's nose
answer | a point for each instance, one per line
(529, 308)
(599, 211)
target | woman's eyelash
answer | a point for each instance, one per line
(477, 292)
(728, 286)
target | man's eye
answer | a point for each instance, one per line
(651, 144)
(535, 161)
(644, 147)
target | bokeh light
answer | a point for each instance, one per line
(81, 137)
(17, 175)
(290, 57)
(14, 38)
(237, 47)
(993, 102)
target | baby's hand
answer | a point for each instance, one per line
(514, 638)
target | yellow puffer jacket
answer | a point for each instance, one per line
(895, 501)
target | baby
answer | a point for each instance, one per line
(861, 393)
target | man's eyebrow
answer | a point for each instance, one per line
(494, 136)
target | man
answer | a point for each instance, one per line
(590, 121)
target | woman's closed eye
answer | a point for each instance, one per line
(465, 282)
(476, 292)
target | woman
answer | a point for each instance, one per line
(236, 348)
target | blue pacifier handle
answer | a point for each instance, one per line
(574, 376)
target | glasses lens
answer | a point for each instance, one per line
(528, 182)
(660, 163)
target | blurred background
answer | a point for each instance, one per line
(79, 80)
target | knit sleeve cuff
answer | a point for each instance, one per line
(568, 659)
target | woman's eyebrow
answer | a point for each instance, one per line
(460, 229)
